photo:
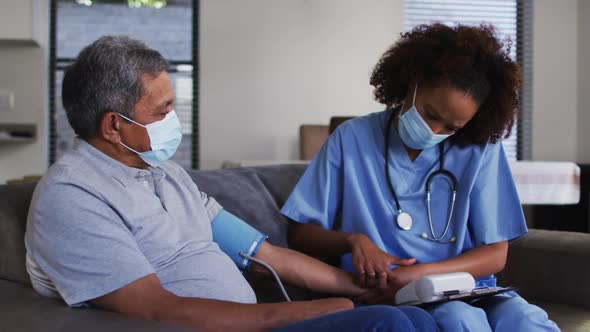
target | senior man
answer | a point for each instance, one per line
(114, 224)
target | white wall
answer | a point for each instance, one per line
(268, 66)
(23, 69)
(584, 82)
(555, 80)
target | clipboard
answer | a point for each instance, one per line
(468, 296)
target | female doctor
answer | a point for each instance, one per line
(424, 187)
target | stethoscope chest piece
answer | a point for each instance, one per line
(404, 221)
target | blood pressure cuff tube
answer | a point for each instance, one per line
(233, 235)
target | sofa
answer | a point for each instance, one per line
(550, 268)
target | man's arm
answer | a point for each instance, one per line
(146, 298)
(307, 272)
(235, 237)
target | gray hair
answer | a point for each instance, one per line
(107, 77)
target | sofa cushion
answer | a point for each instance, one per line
(568, 318)
(534, 259)
(280, 180)
(240, 191)
(14, 207)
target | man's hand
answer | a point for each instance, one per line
(372, 263)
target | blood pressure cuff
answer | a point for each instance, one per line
(233, 235)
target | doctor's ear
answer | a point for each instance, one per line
(110, 127)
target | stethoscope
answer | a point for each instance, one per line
(404, 219)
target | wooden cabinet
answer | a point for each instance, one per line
(21, 21)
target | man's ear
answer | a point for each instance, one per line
(110, 127)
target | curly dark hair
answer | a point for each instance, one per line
(470, 59)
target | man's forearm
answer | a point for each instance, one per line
(214, 315)
(146, 298)
(304, 271)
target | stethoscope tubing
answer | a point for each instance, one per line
(440, 171)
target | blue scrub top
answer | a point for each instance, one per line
(345, 188)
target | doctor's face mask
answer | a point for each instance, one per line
(414, 131)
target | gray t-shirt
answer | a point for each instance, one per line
(96, 225)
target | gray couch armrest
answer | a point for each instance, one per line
(550, 266)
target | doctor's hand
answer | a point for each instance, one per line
(372, 263)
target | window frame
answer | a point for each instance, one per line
(57, 63)
(524, 57)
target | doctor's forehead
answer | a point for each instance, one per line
(449, 101)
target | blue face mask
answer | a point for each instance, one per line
(165, 136)
(414, 131)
